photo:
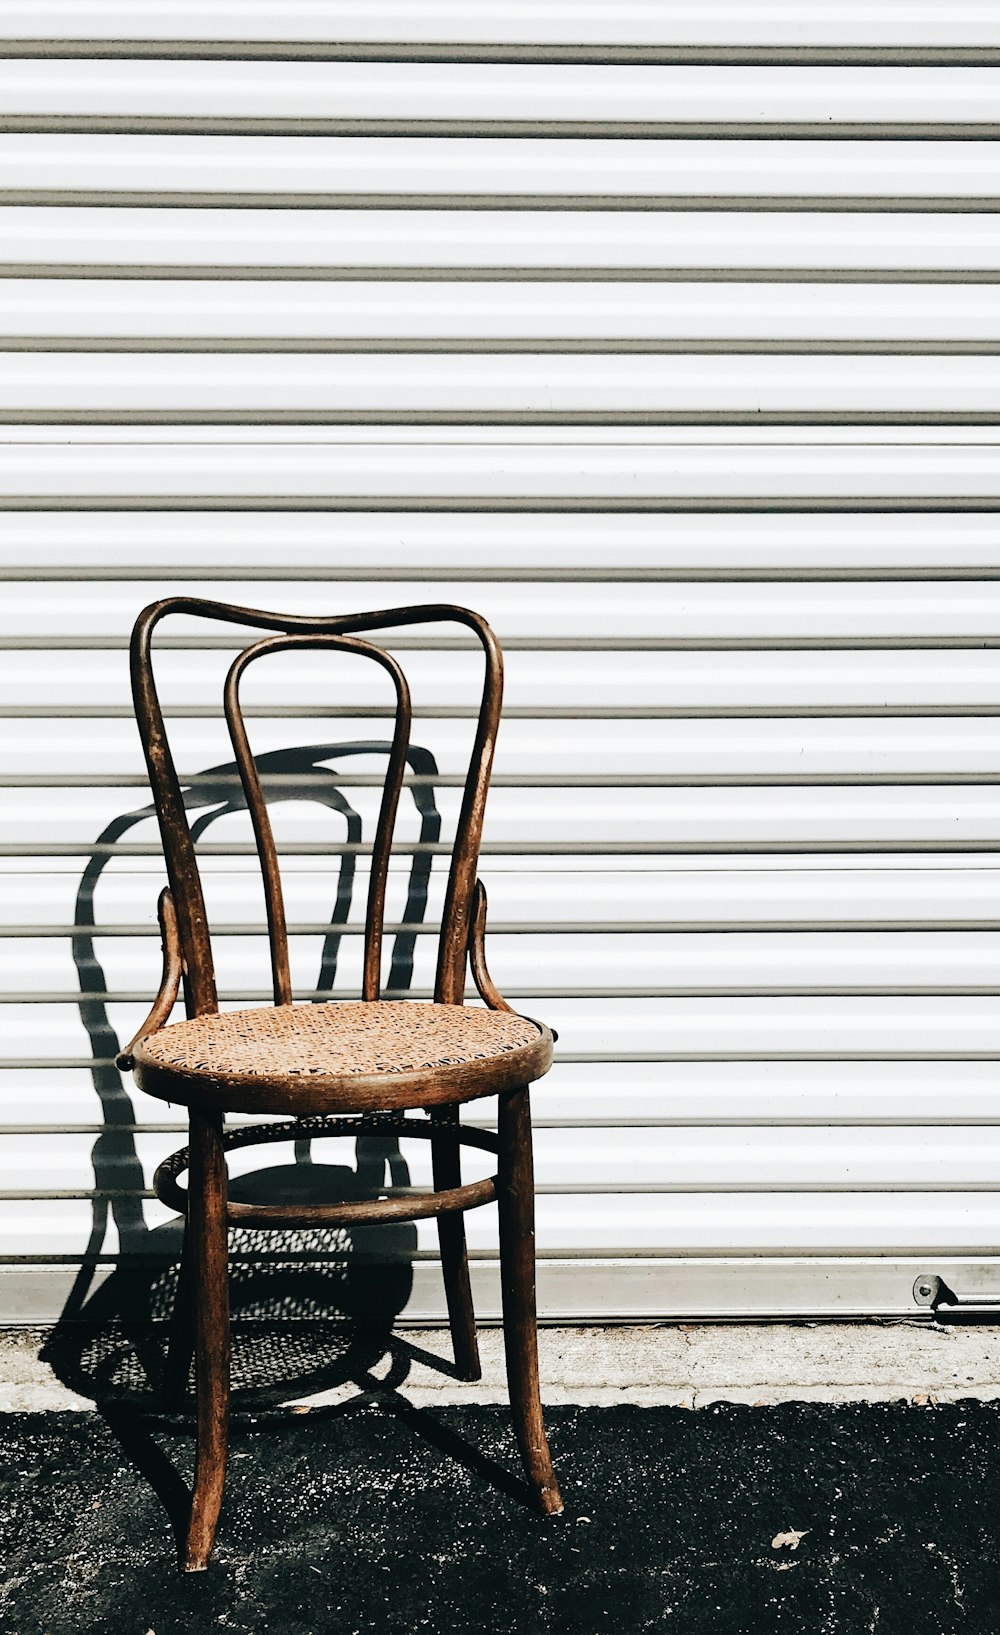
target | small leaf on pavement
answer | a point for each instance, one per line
(792, 1538)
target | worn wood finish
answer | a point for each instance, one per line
(319, 1100)
(516, 1197)
(399, 1206)
(178, 846)
(209, 1257)
(449, 985)
(485, 986)
(170, 980)
(447, 1174)
(441, 1204)
(180, 1345)
(257, 806)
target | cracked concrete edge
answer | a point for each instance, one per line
(681, 1365)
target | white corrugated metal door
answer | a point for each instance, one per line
(668, 337)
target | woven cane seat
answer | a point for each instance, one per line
(342, 1056)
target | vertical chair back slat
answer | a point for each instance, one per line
(382, 847)
(257, 806)
(296, 631)
(277, 927)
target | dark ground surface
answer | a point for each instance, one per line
(380, 1520)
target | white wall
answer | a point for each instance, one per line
(669, 338)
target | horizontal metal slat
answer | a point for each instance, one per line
(935, 1027)
(444, 94)
(101, 574)
(467, 99)
(277, 782)
(491, 173)
(527, 129)
(800, 989)
(733, 1095)
(552, 31)
(187, 417)
(132, 273)
(719, 752)
(635, 1096)
(575, 645)
(548, 644)
(638, 963)
(761, 679)
(374, 316)
(666, 505)
(277, 346)
(89, 551)
(687, 1161)
(121, 712)
(110, 198)
(541, 900)
(709, 247)
(511, 475)
(442, 389)
(919, 129)
(616, 55)
(681, 820)
(584, 615)
(555, 644)
(538, 713)
(582, 928)
(785, 1225)
(84, 850)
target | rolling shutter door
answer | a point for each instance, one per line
(676, 354)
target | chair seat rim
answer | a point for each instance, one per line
(436, 1086)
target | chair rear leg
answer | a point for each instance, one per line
(447, 1173)
(516, 1197)
(209, 1256)
(180, 1343)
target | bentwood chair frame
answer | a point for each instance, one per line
(321, 1105)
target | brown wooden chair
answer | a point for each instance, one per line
(337, 1067)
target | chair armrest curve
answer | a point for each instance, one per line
(485, 985)
(170, 980)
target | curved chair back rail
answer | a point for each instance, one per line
(294, 632)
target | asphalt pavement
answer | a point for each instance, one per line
(801, 1517)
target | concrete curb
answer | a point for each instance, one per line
(681, 1365)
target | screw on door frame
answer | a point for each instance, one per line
(927, 1290)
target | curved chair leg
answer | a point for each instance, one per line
(209, 1254)
(447, 1173)
(516, 1197)
(180, 1344)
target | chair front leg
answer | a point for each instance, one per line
(207, 1232)
(516, 1197)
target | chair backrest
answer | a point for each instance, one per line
(341, 634)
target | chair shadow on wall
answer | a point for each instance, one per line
(321, 1303)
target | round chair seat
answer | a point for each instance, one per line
(342, 1056)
